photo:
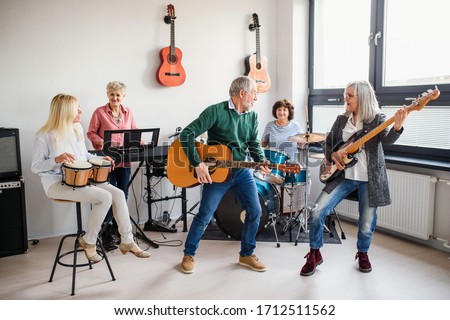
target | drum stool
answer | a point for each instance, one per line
(74, 265)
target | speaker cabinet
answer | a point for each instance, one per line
(10, 164)
(13, 224)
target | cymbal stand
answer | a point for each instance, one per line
(291, 221)
(304, 212)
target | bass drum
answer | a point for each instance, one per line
(230, 216)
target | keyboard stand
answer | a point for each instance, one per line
(151, 224)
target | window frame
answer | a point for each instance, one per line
(417, 156)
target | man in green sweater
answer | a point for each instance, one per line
(230, 123)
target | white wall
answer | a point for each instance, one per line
(77, 47)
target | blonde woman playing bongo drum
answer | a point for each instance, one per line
(60, 143)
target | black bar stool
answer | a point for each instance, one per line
(74, 265)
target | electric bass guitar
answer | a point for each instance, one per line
(171, 72)
(219, 160)
(329, 171)
(256, 64)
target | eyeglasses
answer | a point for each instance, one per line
(348, 95)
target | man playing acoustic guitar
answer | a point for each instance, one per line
(230, 123)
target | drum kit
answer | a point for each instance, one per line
(229, 214)
(289, 182)
(78, 174)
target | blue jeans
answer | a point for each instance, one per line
(119, 177)
(327, 201)
(244, 187)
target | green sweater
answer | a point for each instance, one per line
(239, 132)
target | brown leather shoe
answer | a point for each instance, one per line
(313, 259)
(252, 262)
(188, 265)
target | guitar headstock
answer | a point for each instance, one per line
(170, 14)
(290, 167)
(255, 25)
(424, 98)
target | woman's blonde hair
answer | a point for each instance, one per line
(63, 110)
(116, 86)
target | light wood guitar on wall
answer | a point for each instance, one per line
(256, 64)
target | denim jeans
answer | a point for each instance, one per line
(244, 187)
(327, 201)
(119, 177)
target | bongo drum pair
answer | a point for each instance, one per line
(77, 174)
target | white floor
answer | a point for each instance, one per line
(401, 270)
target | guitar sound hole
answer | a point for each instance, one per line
(172, 59)
(258, 66)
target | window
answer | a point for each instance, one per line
(401, 47)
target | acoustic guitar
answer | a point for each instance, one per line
(256, 64)
(329, 171)
(219, 160)
(171, 72)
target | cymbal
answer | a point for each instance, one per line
(307, 137)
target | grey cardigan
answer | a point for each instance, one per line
(378, 181)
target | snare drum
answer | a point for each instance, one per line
(275, 176)
(77, 173)
(295, 179)
(101, 170)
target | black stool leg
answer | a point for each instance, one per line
(75, 251)
(103, 253)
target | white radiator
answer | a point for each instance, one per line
(412, 208)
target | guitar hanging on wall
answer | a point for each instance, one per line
(328, 171)
(256, 64)
(171, 72)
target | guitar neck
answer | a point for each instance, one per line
(172, 38)
(241, 164)
(353, 147)
(258, 52)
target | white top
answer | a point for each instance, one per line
(359, 170)
(44, 154)
(277, 137)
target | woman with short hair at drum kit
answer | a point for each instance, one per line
(277, 132)
(60, 143)
(279, 149)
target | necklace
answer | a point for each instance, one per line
(117, 116)
(281, 124)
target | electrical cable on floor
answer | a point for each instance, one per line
(175, 243)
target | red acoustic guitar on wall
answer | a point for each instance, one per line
(256, 64)
(171, 72)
